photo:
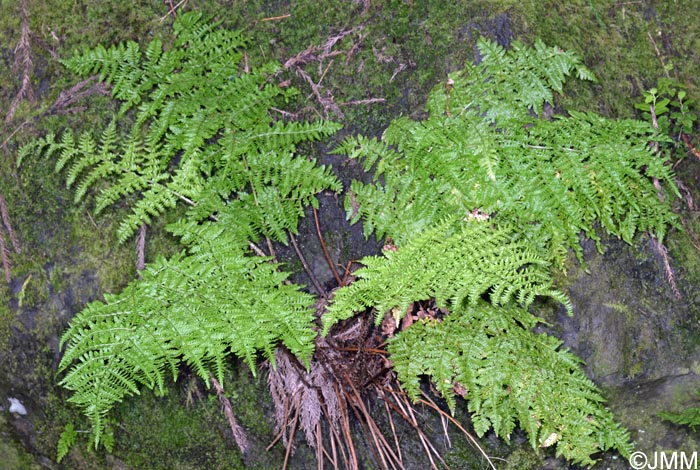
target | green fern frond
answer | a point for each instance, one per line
(482, 150)
(510, 181)
(66, 441)
(184, 133)
(454, 263)
(511, 377)
(195, 308)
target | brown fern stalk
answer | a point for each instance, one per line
(238, 433)
(663, 252)
(325, 250)
(5, 259)
(141, 249)
(23, 59)
(8, 226)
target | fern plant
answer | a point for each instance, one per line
(484, 149)
(194, 125)
(510, 377)
(200, 131)
(198, 308)
(481, 199)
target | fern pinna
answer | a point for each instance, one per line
(195, 125)
(490, 166)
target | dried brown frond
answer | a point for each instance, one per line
(82, 89)
(348, 372)
(23, 62)
(6, 226)
(320, 54)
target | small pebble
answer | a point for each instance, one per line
(16, 406)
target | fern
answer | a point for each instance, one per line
(183, 133)
(195, 308)
(511, 377)
(482, 198)
(687, 417)
(483, 149)
(66, 441)
(454, 264)
(192, 127)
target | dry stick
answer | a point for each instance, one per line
(275, 18)
(334, 436)
(691, 147)
(172, 9)
(373, 430)
(335, 455)
(393, 428)
(310, 273)
(658, 54)
(408, 415)
(319, 447)
(280, 434)
(325, 250)
(376, 448)
(238, 432)
(398, 409)
(424, 439)
(473, 440)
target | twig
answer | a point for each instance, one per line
(658, 54)
(429, 402)
(6, 222)
(291, 436)
(5, 259)
(366, 101)
(238, 432)
(256, 249)
(691, 147)
(276, 18)
(172, 9)
(310, 273)
(325, 250)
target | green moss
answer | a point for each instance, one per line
(13, 456)
(162, 433)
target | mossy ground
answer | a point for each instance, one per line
(400, 50)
